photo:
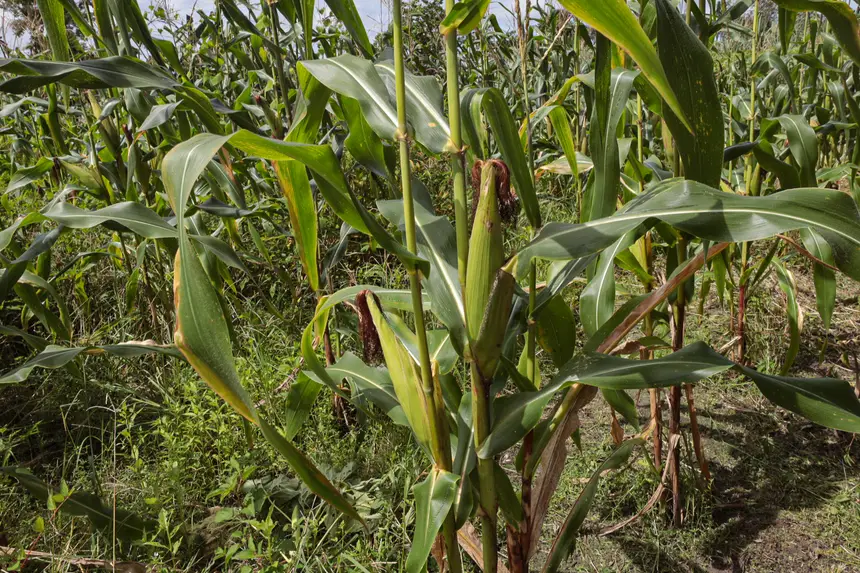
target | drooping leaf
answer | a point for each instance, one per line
(823, 277)
(201, 332)
(556, 330)
(716, 216)
(58, 356)
(405, 377)
(804, 146)
(115, 71)
(437, 243)
(373, 384)
(597, 301)
(28, 175)
(159, 115)
(825, 401)
(434, 498)
(300, 400)
(565, 542)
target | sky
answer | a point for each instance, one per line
(374, 13)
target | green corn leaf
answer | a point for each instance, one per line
(611, 91)
(296, 187)
(733, 12)
(437, 243)
(434, 498)
(17, 268)
(26, 289)
(509, 501)
(373, 384)
(168, 50)
(235, 15)
(621, 402)
(322, 162)
(561, 279)
(116, 71)
(613, 19)
(361, 80)
(362, 142)
(54, 17)
(825, 401)
(691, 75)
(813, 62)
(405, 377)
(140, 31)
(823, 277)
(32, 341)
(109, 519)
(159, 115)
(133, 216)
(843, 21)
(787, 23)
(80, 20)
(495, 108)
(792, 311)
(556, 101)
(28, 175)
(53, 356)
(201, 331)
(565, 542)
(101, 8)
(300, 401)
(597, 301)
(804, 146)
(716, 216)
(561, 126)
(423, 107)
(394, 299)
(788, 176)
(464, 16)
(773, 60)
(556, 330)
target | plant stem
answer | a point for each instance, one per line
(439, 436)
(461, 224)
(488, 507)
(519, 554)
(458, 158)
(680, 309)
(748, 181)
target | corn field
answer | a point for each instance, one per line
(486, 233)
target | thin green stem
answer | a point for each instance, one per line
(440, 449)
(458, 158)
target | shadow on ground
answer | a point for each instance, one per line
(770, 473)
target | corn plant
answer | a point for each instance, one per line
(716, 176)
